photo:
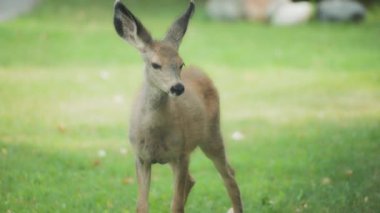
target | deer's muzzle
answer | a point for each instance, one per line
(177, 89)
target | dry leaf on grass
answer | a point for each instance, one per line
(128, 180)
(96, 163)
(61, 128)
(349, 172)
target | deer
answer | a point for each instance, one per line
(175, 111)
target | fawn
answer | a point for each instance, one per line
(176, 110)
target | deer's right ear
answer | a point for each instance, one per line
(130, 28)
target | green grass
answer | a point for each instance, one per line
(306, 98)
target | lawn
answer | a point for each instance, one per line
(305, 98)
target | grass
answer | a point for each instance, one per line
(306, 99)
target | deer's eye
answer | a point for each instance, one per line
(156, 66)
(182, 65)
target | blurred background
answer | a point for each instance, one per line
(300, 99)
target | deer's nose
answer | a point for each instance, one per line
(177, 89)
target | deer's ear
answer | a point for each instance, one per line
(130, 28)
(178, 29)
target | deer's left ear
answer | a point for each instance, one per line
(130, 28)
(178, 29)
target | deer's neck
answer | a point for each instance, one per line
(154, 98)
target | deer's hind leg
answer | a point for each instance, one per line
(215, 151)
(188, 186)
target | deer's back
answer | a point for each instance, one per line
(200, 84)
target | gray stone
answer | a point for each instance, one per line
(225, 9)
(12, 8)
(291, 13)
(341, 11)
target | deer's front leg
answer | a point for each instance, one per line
(181, 173)
(143, 170)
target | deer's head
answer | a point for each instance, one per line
(163, 64)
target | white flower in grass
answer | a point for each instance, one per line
(102, 153)
(366, 199)
(104, 74)
(118, 99)
(326, 181)
(123, 151)
(237, 136)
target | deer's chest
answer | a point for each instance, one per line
(158, 144)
